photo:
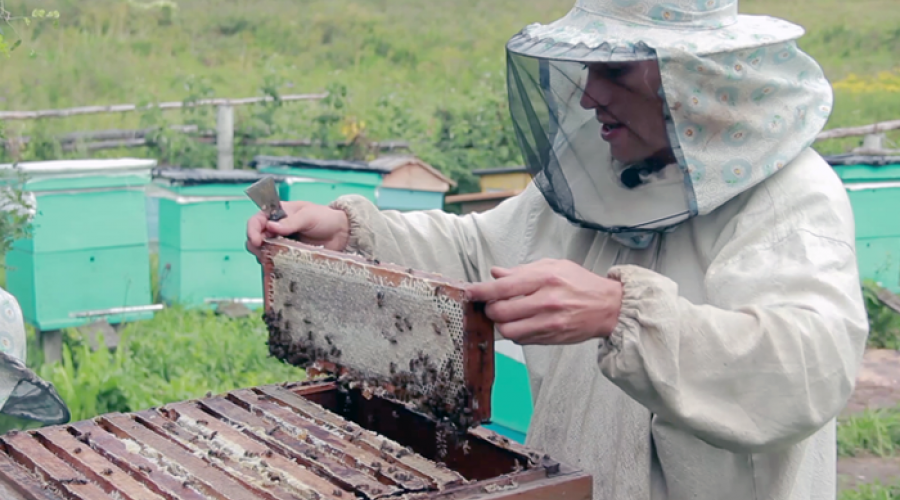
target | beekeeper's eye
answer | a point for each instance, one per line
(608, 71)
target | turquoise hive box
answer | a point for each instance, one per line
(202, 231)
(873, 185)
(87, 257)
(320, 181)
(408, 183)
(394, 182)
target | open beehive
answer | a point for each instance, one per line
(301, 441)
(409, 369)
(398, 333)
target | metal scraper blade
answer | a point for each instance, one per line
(265, 195)
(388, 331)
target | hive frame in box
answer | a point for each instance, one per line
(277, 442)
(463, 399)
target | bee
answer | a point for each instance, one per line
(380, 298)
(293, 287)
(74, 481)
(407, 323)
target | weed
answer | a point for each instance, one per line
(875, 432)
(884, 323)
(872, 491)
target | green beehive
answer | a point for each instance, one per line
(87, 257)
(873, 185)
(203, 217)
(321, 181)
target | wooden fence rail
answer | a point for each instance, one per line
(117, 138)
(224, 139)
(224, 121)
(124, 108)
(875, 128)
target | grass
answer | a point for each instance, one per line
(872, 432)
(178, 355)
(872, 491)
(419, 58)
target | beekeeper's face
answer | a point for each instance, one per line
(625, 97)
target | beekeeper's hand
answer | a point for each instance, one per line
(307, 222)
(550, 302)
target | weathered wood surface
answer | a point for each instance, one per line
(838, 133)
(282, 442)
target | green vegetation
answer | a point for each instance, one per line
(872, 491)
(178, 355)
(400, 69)
(884, 323)
(872, 432)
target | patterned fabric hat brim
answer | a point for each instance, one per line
(740, 102)
(629, 30)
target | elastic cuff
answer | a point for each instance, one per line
(360, 241)
(632, 288)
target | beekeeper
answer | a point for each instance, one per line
(23, 394)
(681, 271)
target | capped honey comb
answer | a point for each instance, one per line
(397, 333)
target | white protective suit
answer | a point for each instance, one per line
(736, 348)
(743, 324)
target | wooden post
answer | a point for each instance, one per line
(51, 342)
(873, 142)
(225, 137)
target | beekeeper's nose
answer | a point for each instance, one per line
(598, 91)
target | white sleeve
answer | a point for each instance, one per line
(773, 356)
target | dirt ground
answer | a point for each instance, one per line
(877, 386)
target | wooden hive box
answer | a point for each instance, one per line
(310, 440)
